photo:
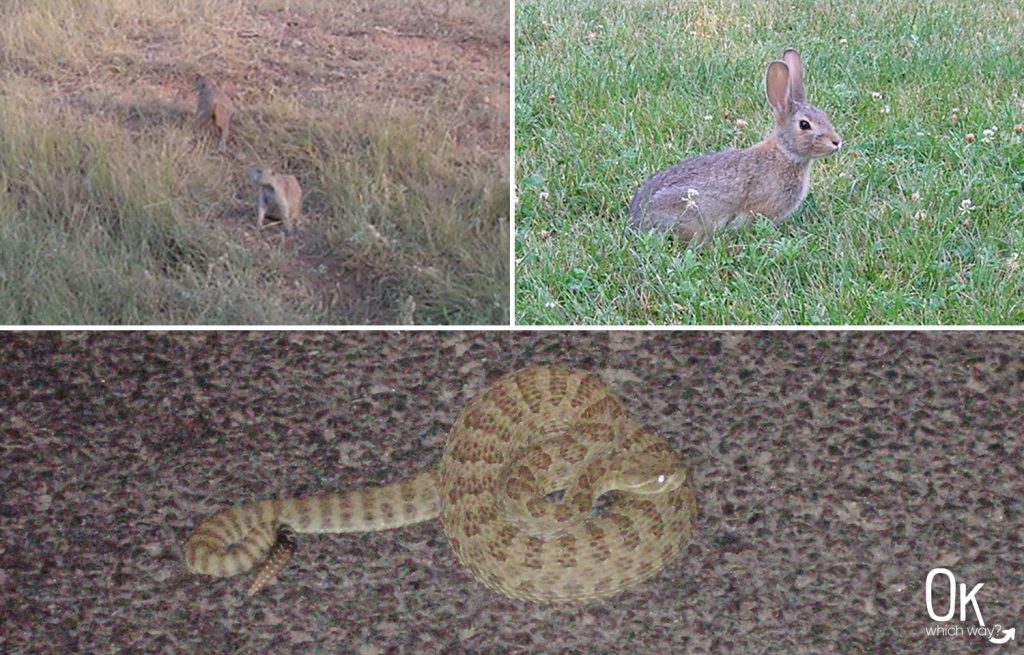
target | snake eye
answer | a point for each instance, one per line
(804, 125)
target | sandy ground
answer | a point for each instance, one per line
(834, 471)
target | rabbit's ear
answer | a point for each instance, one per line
(796, 74)
(776, 86)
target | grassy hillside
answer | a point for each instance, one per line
(393, 116)
(917, 221)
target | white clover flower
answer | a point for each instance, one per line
(875, 95)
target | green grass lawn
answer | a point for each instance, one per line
(910, 224)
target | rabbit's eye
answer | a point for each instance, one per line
(804, 125)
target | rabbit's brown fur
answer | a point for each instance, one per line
(214, 107)
(277, 196)
(698, 196)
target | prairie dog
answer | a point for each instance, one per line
(213, 106)
(277, 196)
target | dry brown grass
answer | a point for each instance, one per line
(394, 116)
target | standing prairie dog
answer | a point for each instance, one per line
(278, 196)
(214, 106)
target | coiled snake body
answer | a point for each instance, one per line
(517, 490)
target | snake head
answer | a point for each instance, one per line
(652, 473)
(650, 468)
(659, 482)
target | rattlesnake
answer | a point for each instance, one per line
(520, 490)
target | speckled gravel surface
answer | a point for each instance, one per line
(834, 471)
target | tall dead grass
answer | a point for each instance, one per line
(115, 211)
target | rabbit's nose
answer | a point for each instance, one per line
(838, 143)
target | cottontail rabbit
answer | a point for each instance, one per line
(698, 196)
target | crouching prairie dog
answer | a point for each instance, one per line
(213, 107)
(277, 196)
